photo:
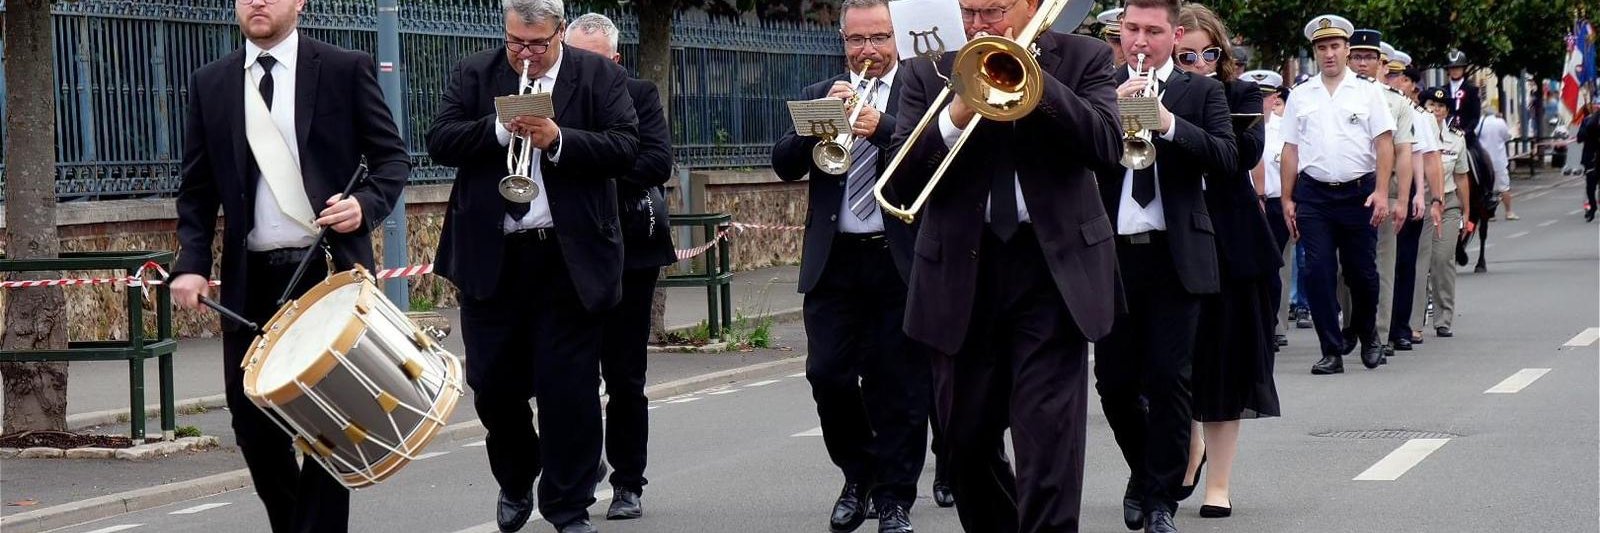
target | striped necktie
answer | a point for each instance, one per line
(863, 171)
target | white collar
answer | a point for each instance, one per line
(1161, 73)
(287, 51)
(887, 79)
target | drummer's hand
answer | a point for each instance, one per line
(188, 288)
(342, 215)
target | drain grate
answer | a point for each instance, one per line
(1385, 434)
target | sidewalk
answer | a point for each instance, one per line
(197, 367)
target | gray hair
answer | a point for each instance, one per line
(857, 4)
(592, 23)
(532, 11)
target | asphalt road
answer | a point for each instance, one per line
(1521, 458)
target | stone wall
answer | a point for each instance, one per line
(100, 312)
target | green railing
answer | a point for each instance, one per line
(135, 350)
(711, 270)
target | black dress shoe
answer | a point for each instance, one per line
(1383, 357)
(1330, 364)
(894, 518)
(872, 509)
(1443, 331)
(942, 495)
(1132, 507)
(1350, 344)
(1214, 511)
(580, 525)
(1371, 355)
(1185, 491)
(1402, 345)
(1281, 340)
(624, 505)
(849, 511)
(1588, 215)
(512, 513)
(1159, 520)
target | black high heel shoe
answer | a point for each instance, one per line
(1213, 511)
(1186, 491)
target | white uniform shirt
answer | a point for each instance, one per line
(1272, 155)
(1454, 157)
(879, 99)
(1426, 140)
(538, 215)
(271, 229)
(1334, 133)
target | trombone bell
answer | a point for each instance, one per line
(998, 78)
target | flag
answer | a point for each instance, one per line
(1569, 80)
(1585, 38)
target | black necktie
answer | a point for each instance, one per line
(1144, 185)
(1003, 198)
(266, 62)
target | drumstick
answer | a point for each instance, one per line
(361, 170)
(254, 328)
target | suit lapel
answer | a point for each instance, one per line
(305, 89)
(566, 84)
(1177, 84)
(1049, 58)
(232, 87)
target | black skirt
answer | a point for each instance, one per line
(1234, 353)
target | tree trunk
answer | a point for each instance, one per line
(35, 319)
(655, 65)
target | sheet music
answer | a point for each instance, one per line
(524, 105)
(914, 18)
(823, 117)
(1139, 112)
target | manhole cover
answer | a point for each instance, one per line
(1385, 434)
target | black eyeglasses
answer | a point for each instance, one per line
(1190, 57)
(988, 15)
(538, 46)
(858, 41)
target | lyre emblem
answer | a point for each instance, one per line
(824, 128)
(927, 43)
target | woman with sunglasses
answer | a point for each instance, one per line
(1234, 349)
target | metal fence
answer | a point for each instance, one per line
(122, 69)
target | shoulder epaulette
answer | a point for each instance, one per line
(1305, 81)
(1457, 131)
(1396, 91)
(1364, 77)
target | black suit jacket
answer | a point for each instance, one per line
(340, 117)
(650, 171)
(1052, 151)
(1245, 246)
(599, 142)
(1469, 111)
(791, 160)
(1589, 135)
(1202, 145)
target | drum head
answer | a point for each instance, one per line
(308, 337)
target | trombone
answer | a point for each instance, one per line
(518, 185)
(833, 155)
(1138, 152)
(998, 78)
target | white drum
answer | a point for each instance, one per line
(360, 387)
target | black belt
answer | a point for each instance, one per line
(859, 238)
(1143, 237)
(1337, 185)
(532, 235)
(280, 256)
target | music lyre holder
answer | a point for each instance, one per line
(300, 271)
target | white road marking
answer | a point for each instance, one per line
(201, 508)
(1518, 381)
(797, 375)
(1585, 337)
(762, 383)
(1548, 223)
(813, 432)
(123, 527)
(1574, 211)
(722, 392)
(430, 455)
(1517, 235)
(1408, 455)
(475, 444)
(601, 496)
(652, 408)
(685, 400)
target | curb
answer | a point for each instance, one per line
(120, 416)
(781, 315)
(75, 513)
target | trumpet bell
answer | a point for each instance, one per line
(998, 78)
(831, 157)
(1138, 153)
(519, 189)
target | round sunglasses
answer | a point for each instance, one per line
(1211, 55)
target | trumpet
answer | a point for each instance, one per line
(999, 78)
(1138, 152)
(833, 155)
(518, 185)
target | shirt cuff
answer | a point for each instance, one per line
(501, 134)
(1172, 132)
(948, 129)
(555, 157)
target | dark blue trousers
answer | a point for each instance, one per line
(1336, 230)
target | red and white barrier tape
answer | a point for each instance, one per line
(137, 278)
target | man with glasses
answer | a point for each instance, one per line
(1013, 271)
(242, 110)
(870, 383)
(1369, 60)
(536, 278)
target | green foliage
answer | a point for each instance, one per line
(187, 431)
(422, 303)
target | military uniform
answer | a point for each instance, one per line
(1442, 275)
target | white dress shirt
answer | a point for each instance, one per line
(271, 229)
(1334, 132)
(1272, 154)
(878, 97)
(948, 129)
(1131, 217)
(1492, 136)
(538, 215)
